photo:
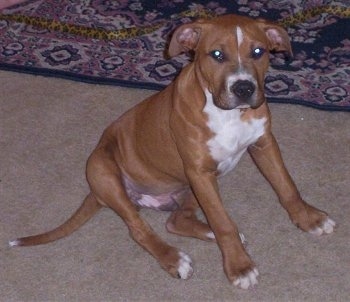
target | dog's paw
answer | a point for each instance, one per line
(247, 280)
(185, 269)
(211, 236)
(312, 220)
(326, 227)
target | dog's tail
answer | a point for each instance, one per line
(88, 208)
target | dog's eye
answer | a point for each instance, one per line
(258, 52)
(217, 55)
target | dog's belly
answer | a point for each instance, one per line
(168, 201)
(232, 136)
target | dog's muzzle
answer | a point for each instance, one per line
(238, 93)
(245, 93)
(243, 89)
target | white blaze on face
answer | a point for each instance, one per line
(240, 38)
(239, 34)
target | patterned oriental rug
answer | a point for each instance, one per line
(123, 42)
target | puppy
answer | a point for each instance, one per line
(167, 152)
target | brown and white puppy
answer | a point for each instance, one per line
(168, 151)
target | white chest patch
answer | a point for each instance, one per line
(232, 136)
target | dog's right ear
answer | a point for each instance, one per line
(185, 38)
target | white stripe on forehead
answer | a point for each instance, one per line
(239, 35)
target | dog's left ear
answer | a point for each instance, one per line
(278, 38)
(185, 38)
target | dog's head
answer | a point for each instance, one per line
(231, 56)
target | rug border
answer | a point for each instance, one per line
(142, 85)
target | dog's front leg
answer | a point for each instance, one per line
(239, 268)
(267, 156)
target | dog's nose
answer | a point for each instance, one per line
(243, 89)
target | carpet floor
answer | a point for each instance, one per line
(48, 127)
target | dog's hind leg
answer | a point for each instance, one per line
(104, 177)
(184, 221)
(88, 208)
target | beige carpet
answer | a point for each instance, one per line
(48, 127)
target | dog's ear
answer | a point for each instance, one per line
(185, 38)
(278, 37)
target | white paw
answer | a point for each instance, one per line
(247, 280)
(327, 227)
(185, 269)
(211, 235)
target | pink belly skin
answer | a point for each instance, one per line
(168, 201)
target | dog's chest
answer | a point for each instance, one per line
(232, 136)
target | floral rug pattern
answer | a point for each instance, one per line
(318, 75)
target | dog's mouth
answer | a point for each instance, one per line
(228, 101)
(243, 106)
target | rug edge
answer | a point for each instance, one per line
(147, 86)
